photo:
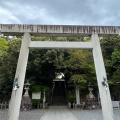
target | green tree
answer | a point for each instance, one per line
(79, 82)
(43, 63)
(111, 53)
(3, 46)
(8, 63)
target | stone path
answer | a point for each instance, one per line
(58, 113)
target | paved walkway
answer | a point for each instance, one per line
(58, 113)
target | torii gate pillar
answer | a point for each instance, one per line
(14, 106)
(101, 76)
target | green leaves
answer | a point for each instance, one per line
(8, 61)
(36, 88)
(3, 46)
(111, 53)
(70, 96)
(77, 78)
(115, 59)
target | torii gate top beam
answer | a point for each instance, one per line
(58, 30)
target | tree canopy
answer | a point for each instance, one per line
(76, 64)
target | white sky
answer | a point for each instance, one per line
(61, 12)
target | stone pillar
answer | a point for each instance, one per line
(101, 76)
(44, 100)
(15, 102)
(77, 95)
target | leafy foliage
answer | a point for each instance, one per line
(111, 53)
(36, 88)
(8, 63)
(3, 46)
(77, 65)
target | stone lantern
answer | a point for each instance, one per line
(26, 87)
(90, 88)
(26, 101)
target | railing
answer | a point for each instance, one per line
(4, 105)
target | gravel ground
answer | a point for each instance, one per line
(24, 115)
(93, 114)
(80, 114)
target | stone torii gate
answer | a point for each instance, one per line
(60, 30)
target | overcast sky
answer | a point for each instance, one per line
(61, 12)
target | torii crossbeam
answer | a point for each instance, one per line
(27, 31)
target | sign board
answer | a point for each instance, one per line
(115, 104)
(36, 95)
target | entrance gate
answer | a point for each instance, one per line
(60, 30)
